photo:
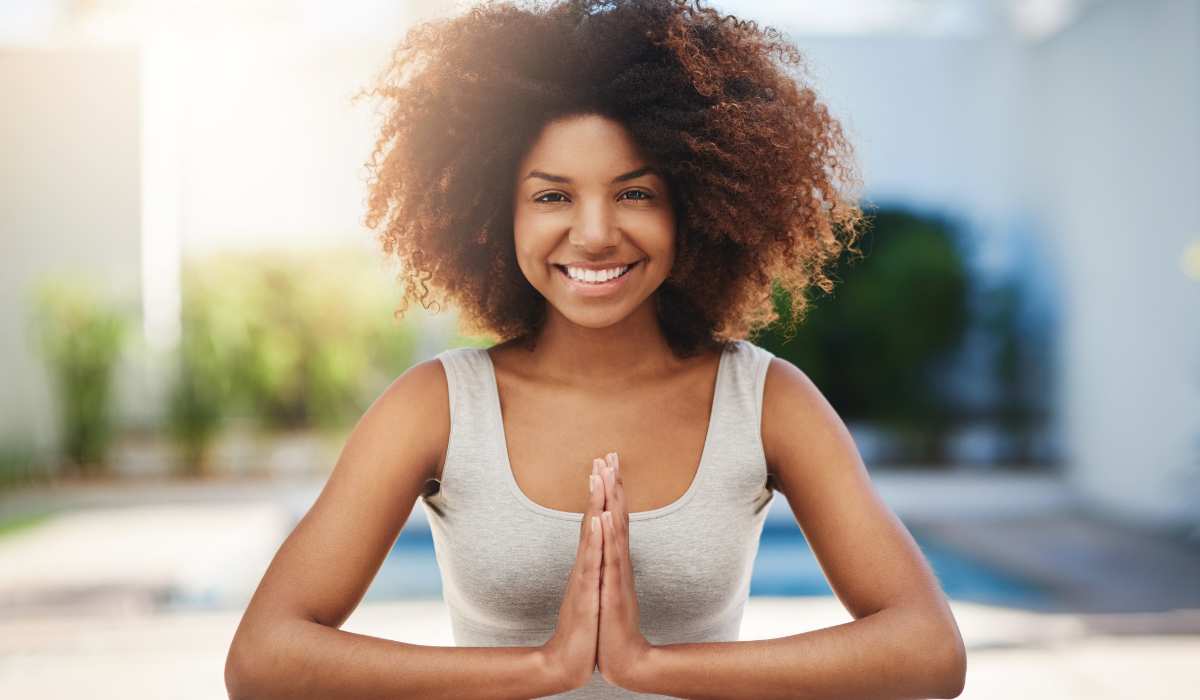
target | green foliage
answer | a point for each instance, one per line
(19, 464)
(81, 337)
(290, 339)
(873, 346)
(11, 525)
(196, 405)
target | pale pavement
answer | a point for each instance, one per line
(92, 601)
(1011, 654)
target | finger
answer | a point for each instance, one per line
(599, 466)
(621, 511)
(595, 554)
(612, 551)
(611, 460)
(604, 561)
(595, 504)
(583, 522)
(613, 500)
(598, 493)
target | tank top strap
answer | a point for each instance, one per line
(737, 479)
(470, 471)
(741, 388)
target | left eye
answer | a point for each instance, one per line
(645, 195)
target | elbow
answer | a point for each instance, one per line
(951, 669)
(240, 683)
(236, 686)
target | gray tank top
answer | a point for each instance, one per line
(505, 559)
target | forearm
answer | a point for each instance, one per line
(889, 654)
(303, 659)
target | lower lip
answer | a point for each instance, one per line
(597, 289)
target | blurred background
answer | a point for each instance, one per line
(192, 318)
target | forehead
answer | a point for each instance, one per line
(583, 146)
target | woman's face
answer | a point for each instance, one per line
(586, 205)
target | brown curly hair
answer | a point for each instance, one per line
(761, 177)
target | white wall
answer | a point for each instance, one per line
(69, 202)
(1117, 156)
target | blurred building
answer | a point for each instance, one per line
(1061, 132)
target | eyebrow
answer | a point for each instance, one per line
(620, 178)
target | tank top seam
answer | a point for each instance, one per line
(456, 386)
(760, 382)
(500, 443)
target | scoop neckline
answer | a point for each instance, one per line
(506, 465)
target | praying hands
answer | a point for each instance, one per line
(598, 620)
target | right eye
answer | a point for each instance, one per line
(541, 198)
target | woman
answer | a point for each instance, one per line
(610, 188)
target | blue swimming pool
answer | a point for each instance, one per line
(785, 566)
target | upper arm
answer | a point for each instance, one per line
(866, 553)
(324, 567)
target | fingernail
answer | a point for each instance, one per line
(591, 483)
(595, 523)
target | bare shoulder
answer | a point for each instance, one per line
(850, 528)
(323, 568)
(797, 421)
(417, 402)
(810, 453)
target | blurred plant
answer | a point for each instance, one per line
(19, 463)
(81, 338)
(198, 402)
(299, 336)
(875, 345)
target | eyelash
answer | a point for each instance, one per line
(647, 196)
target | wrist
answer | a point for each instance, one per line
(641, 675)
(552, 674)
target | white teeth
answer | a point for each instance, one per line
(595, 276)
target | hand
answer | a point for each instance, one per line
(622, 647)
(571, 651)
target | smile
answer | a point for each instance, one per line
(602, 283)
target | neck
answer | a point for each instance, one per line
(633, 347)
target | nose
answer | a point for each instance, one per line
(593, 230)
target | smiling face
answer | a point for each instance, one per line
(589, 205)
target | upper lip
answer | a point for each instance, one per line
(596, 266)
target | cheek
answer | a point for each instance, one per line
(531, 255)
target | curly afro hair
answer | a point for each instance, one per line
(761, 177)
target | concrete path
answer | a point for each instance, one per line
(181, 655)
(95, 602)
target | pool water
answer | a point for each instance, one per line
(785, 566)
